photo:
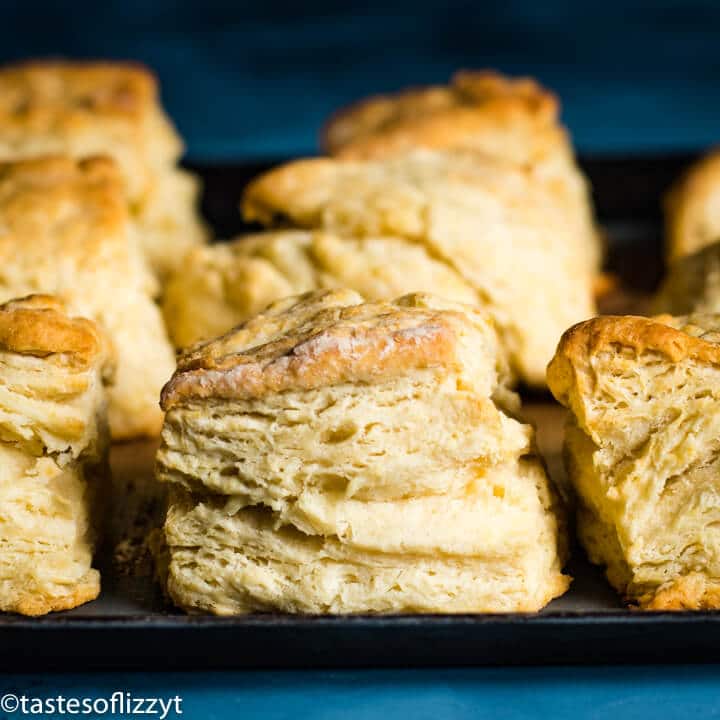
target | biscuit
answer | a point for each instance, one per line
(85, 108)
(221, 285)
(65, 230)
(53, 451)
(692, 284)
(331, 455)
(692, 209)
(513, 119)
(505, 234)
(642, 452)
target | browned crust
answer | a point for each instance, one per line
(359, 343)
(442, 117)
(688, 592)
(33, 605)
(29, 94)
(38, 325)
(439, 116)
(35, 192)
(606, 332)
(58, 170)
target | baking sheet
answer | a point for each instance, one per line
(131, 627)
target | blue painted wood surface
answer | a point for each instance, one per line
(620, 693)
(254, 79)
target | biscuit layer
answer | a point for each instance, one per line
(226, 560)
(409, 435)
(512, 119)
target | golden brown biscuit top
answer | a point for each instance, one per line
(46, 97)
(88, 108)
(448, 116)
(675, 338)
(39, 325)
(328, 337)
(390, 194)
(56, 209)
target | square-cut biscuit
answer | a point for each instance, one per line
(88, 108)
(221, 285)
(65, 230)
(514, 119)
(332, 455)
(692, 209)
(642, 452)
(53, 452)
(491, 222)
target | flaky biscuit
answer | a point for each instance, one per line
(65, 230)
(513, 119)
(53, 451)
(223, 284)
(504, 233)
(374, 440)
(642, 452)
(692, 209)
(89, 108)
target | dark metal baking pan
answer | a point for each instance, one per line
(130, 627)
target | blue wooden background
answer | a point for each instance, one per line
(255, 79)
(631, 693)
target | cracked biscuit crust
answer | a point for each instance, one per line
(325, 338)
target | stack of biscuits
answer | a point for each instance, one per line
(65, 229)
(336, 456)
(94, 213)
(83, 109)
(53, 454)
